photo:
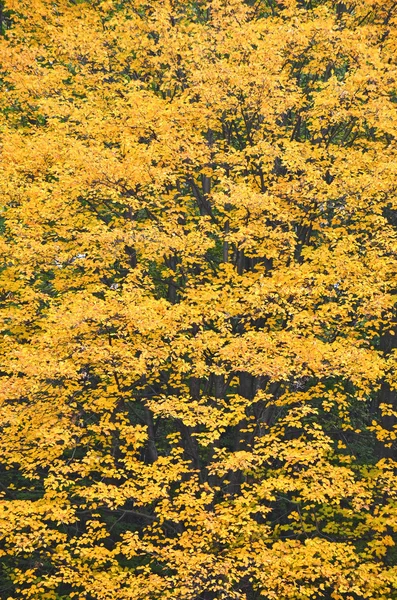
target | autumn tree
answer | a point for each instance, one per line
(198, 237)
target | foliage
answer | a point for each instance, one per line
(198, 395)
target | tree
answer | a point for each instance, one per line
(198, 299)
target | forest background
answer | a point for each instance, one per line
(198, 238)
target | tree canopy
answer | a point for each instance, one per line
(198, 288)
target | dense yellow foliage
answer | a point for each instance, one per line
(198, 356)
